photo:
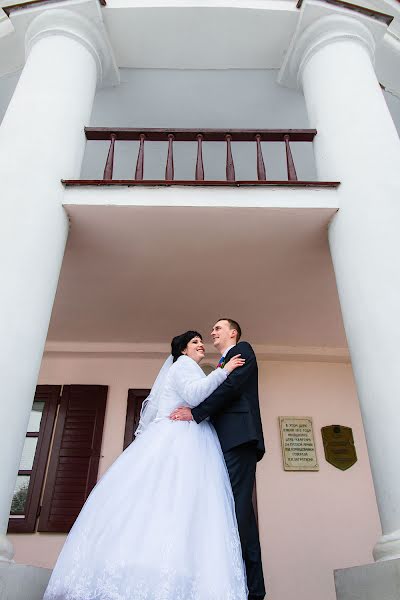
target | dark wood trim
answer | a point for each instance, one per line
(50, 394)
(291, 169)
(23, 5)
(139, 171)
(109, 168)
(169, 168)
(133, 406)
(187, 182)
(230, 165)
(366, 12)
(208, 135)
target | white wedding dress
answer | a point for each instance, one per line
(160, 524)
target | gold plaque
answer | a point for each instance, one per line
(339, 446)
(298, 447)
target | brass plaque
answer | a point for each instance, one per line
(298, 447)
(339, 446)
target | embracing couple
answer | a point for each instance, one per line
(172, 519)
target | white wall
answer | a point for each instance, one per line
(310, 522)
(231, 99)
(7, 87)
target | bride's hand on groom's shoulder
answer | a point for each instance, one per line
(234, 363)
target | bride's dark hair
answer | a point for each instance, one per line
(180, 342)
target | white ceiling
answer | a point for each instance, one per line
(201, 36)
(142, 274)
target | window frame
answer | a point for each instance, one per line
(133, 406)
(50, 395)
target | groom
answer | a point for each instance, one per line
(235, 413)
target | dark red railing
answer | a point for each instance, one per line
(188, 135)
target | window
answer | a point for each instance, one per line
(28, 487)
(134, 405)
(73, 462)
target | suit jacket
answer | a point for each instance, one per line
(234, 406)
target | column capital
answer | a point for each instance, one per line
(81, 21)
(320, 25)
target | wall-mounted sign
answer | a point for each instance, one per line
(298, 446)
(339, 446)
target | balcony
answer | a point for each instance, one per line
(197, 143)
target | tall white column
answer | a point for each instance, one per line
(357, 144)
(41, 141)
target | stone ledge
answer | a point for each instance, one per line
(22, 582)
(377, 581)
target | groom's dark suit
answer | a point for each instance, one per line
(235, 413)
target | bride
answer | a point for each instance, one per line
(160, 524)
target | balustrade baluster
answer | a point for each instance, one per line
(291, 170)
(140, 159)
(230, 167)
(261, 174)
(169, 169)
(199, 162)
(108, 170)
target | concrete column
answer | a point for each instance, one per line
(41, 141)
(357, 144)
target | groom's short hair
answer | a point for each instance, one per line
(233, 325)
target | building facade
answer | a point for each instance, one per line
(163, 164)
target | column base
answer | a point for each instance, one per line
(369, 582)
(22, 582)
(6, 549)
(388, 547)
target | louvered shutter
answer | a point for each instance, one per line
(75, 456)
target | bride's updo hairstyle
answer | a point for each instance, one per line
(180, 342)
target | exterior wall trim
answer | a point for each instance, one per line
(159, 350)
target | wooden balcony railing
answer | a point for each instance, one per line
(172, 136)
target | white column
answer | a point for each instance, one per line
(41, 141)
(357, 144)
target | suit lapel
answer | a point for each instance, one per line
(231, 353)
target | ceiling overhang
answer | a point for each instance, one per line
(187, 34)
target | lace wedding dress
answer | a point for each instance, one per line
(160, 524)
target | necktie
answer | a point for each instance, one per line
(221, 363)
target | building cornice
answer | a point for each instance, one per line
(362, 10)
(322, 23)
(11, 8)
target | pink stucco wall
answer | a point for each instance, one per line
(310, 522)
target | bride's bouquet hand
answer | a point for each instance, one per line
(234, 363)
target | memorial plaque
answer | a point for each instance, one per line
(339, 446)
(298, 446)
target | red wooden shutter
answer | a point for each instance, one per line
(75, 456)
(134, 405)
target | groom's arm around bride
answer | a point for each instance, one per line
(234, 406)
